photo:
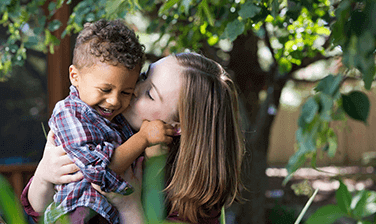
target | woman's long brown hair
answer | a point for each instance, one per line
(205, 171)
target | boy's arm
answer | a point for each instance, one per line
(151, 133)
(126, 153)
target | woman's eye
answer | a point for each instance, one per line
(148, 93)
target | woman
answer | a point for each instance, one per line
(204, 166)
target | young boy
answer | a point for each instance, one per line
(89, 125)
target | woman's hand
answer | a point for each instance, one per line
(55, 166)
(129, 206)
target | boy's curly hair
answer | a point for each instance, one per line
(110, 42)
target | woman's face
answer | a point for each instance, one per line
(157, 95)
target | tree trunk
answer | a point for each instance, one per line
(251, 79)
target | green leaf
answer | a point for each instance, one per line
(366, 62)
(185, 4)
(329, 85)
(295, 161)
(364, 222)
(364, 204)
(275, 8)
(326, 215)
(42, 21)
(9, 205)
(112, 6)
(248, 10)
(332, 142)
(38, 30)
(54, 25)
(358, 203)
(31, 41)
(207, 12)
(51, 7)
(166, 6)
(222, 219)
(356, 105)
(4, 18)
(309, 110)
(5, 2)
(152, 190)
(213, 40)
(326, 104)
(343, 198)
(339, 112)
(233, 29)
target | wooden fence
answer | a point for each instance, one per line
(18, 175)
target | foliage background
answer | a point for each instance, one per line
(292, 34)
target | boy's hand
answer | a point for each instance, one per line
(156, 132)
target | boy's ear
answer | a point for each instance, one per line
(73, 75)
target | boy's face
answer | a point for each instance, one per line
(106, 88)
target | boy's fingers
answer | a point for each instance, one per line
(170, 132)
(168, 140)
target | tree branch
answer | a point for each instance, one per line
(267, 42)
(212, 52)
(305, 62)
(305, 81)
(38, 54)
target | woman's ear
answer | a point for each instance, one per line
(73, 75)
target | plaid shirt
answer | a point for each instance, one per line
(89, 140)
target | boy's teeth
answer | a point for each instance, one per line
(106, 110)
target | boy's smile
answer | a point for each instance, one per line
(106, 88)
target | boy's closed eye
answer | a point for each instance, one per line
(127, 93)
(106, 90)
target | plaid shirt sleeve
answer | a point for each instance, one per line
(82, 136)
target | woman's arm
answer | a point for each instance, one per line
(55, 167)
